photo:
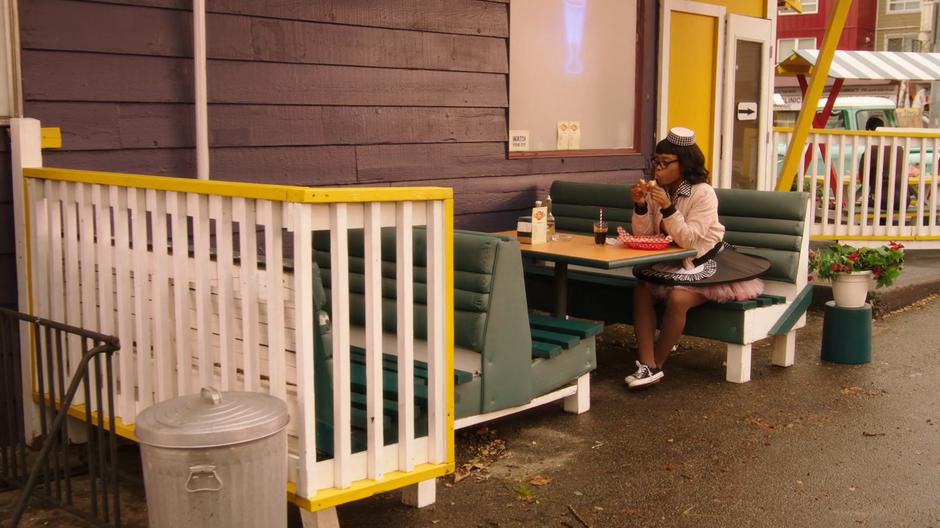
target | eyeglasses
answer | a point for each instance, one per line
(655, 162)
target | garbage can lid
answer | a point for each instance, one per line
(211, 419)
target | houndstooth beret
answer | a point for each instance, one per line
(681, 136)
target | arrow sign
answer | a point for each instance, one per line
(747, 111)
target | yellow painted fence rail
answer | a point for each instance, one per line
(193, 278)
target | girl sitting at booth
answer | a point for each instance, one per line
(682, 204)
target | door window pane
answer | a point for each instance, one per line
(747, 89)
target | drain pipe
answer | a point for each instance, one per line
(199, 77)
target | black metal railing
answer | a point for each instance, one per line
(13, 468)
(62, 466)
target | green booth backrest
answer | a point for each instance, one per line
(764, 223)
(474, 259)
(576, 205)
(768, 224)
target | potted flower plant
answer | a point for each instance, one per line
(852, 269)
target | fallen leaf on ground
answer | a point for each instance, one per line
(540, 480)
(460, 474)
(525, 493)
(762, 423)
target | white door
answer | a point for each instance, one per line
(747, 103)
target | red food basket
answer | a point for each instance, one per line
(649, 242)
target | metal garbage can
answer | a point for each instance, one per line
(215, 459)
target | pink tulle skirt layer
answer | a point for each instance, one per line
(730, 291)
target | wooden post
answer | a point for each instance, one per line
(814, 91)
(26, 151)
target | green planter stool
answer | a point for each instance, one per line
(846, 334)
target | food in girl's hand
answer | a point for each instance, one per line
(647, 185)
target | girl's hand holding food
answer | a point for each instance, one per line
(638, 192)
(658, 195)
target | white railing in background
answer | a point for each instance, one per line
(190, 275)
(893, 196)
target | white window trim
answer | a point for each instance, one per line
(910, 36)
(797, 39)
(890, 11)
(790, 12)
(542, 144)
(10, 73)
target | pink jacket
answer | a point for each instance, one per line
(694, 225)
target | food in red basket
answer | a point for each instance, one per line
(649, 242)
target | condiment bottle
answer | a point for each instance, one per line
(551, 220)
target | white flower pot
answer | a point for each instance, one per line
(849, 290)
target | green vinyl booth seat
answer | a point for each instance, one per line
(772, 225)
(504, 357)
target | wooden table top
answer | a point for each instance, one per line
(581, 249)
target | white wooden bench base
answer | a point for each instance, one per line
(577, 398)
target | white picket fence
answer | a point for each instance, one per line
(860, 200)
(190, 275)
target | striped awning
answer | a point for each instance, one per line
(868, 65)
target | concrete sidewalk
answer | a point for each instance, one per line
(816, 444)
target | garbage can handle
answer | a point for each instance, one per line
(197, 473)
(211, 394)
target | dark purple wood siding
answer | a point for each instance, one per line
(357, 92)
(7, 236)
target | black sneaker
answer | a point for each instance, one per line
(644, 376)
(632, 377)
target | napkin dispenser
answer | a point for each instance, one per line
(524, 229)
(532, 229)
